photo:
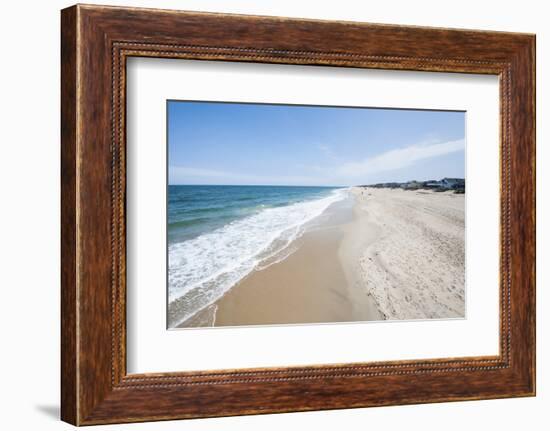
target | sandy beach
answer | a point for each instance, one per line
(380, 254)
(414, 269)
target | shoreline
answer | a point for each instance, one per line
(377, 255)
(315, 283)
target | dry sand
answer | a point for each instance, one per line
(381, 254)
(415, 267)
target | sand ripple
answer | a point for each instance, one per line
(415, 268)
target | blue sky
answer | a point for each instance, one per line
(229, 143)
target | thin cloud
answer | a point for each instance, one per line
(397, 159)
(188, 175)
(346, 173)
(183, 171)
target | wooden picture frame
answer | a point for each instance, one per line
(95, 43)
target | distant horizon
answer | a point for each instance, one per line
(256, 185)
(302, 185)
(243, 144)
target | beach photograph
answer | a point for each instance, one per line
(302, 214)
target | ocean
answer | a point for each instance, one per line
(219, 234)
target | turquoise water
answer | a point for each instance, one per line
(195, 210)
(219, 234)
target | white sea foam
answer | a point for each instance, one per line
(202, 269)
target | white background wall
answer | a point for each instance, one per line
(29, 225)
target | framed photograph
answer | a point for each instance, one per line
(264, 214)
(261, 232)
